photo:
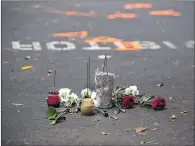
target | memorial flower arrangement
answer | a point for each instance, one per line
(68, 98)
(88, 101)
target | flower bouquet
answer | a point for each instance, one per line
(64, 95)
(157, 103)
(125, 96)
(69, 100)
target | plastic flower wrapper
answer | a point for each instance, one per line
(118, 95)
(132, 90)
(85, 93)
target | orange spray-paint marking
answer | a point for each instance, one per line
(91, 13)
(55, 11)
(129, 46)
(74, 13)
(81, 34)
(102, 39)
(138, 6)
(122, 15)
(168, 12)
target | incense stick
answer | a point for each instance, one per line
(54, 80)
(106, 63)
(89, 72)
(105, 66)
(87, 77)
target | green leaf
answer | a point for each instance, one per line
(51, 112)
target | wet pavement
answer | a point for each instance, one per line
(164, 52)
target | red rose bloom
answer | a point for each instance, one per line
(128, 101)
(53, 100)
(158, 103)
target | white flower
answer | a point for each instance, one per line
(64, 92)
(84, 92)
(64, 100)
(73, 95)
(136, 92)
(96, 102)
(132, 90)
(128, 91)
(93, 95)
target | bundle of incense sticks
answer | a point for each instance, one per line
(88, 75)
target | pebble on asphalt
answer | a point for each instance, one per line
(171, 97)
(160, 85)
(16, 104)
(140, 129)
(173, 117)
(103, 133)
(28, 57)
(184, 112)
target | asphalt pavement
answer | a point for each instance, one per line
(61, 35)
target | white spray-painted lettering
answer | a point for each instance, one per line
(95, 46)
(103, 56)
(37, 46)
(119, 44)
(148, 45)
(169, 44)
(66, 45)
(190, 44)
(69, 46)
(17, 46)
(26, 47)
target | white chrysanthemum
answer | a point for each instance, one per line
(136, 92)
(84, 92)
(65, 100)
(73, 95)
(132, 90)
(96, 102)
(128, 91)
(93, 95)
(64, 92)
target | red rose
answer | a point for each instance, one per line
(53, 100)
(128, 101)
(158, 103)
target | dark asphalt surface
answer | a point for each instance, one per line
(31, 21)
